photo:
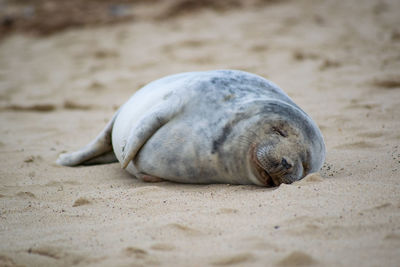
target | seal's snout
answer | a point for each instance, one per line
(286, 163)
(273, 168)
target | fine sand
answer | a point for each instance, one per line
(338, 60)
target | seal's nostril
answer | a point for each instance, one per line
(286, 164)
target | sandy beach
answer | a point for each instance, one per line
(338, 60)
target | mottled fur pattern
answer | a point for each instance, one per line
(221, 126)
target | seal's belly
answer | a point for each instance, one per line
(182, 152)
(176, 153)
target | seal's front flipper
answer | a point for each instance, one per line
(146, 127)
(94, 151)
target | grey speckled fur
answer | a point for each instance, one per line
(206, 127)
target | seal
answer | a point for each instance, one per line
(221, 126)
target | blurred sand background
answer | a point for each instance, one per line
(65, 66)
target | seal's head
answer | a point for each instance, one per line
(288, 146)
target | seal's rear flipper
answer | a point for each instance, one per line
(108, 157)
(99, 151)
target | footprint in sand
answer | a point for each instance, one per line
(26, 194)
(103, 54)
(329, 64)
(176, 227)
(338, 120)
(355, 104)
(239, 258)
(57, 253)
(96, 86)
(297, 258)
(68, 104)
(388, 83)
(259, 48)
(370, 134)
(227, 211)
(32, 158)
(170, 49)
(301, 55)
(72, 105)
(6, 261)
(308, 226)
(148, 190)
(61, 183)
(163, 247)
(201, 60)
(384, 206)
(135, 252)
(188, 44)
(80, 202)
(34, 107)
(357, 145)
(393, 237)
(191, 43)
(257, 243)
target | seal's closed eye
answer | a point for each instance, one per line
(279, 131)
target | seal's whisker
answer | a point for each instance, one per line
(246, 140)
(277, 169)
(279, 172)
(255, 135)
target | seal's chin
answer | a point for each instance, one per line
(263, 176)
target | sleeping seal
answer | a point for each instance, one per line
(223, 126)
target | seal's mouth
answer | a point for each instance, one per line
(263, 175)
